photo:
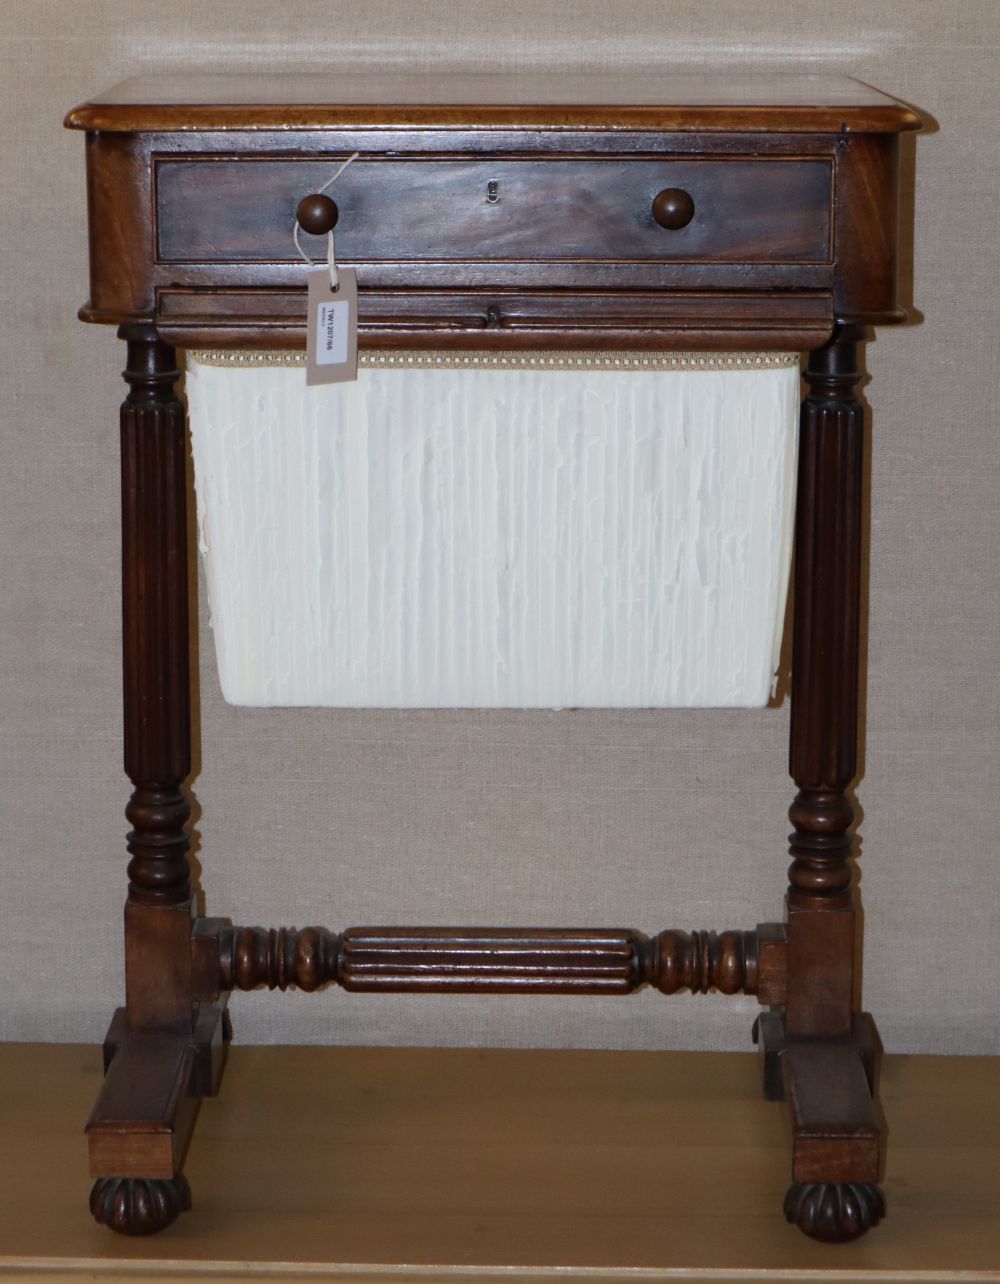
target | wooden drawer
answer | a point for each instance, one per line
(212, 209)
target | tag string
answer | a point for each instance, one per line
(331, 257)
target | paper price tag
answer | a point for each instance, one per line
(332, 321)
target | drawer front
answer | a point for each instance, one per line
(212, 210)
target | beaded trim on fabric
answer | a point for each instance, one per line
(431, 359)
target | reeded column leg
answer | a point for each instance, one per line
(824, 716)
(143, 1118)
(826, 1046)
(157, 686)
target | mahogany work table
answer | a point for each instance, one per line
(673, 212)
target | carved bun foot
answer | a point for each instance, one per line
(139, 1205)
(834, 1212)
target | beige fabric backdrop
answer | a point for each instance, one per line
(652, 820)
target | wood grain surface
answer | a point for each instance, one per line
(745, 211)
(655, 100)
(377, 1164)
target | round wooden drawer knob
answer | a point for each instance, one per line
(673, 208)
(317, 214)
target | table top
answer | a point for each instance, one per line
(682, 100)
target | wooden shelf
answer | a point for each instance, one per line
(394, 1164)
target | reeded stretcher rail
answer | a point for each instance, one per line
(505, 960)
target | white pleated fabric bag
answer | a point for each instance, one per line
(516, 531)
